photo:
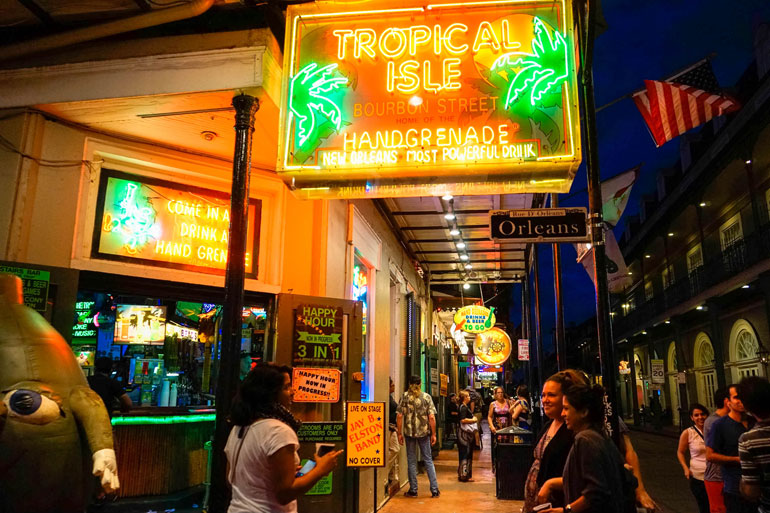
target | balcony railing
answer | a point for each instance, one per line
(724, 265)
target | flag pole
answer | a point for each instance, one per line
(587, 17)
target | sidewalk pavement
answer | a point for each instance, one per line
(456, 497)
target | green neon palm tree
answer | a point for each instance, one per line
(310, 94)
(536, 73)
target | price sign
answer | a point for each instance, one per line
(658, 372)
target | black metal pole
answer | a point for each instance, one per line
(228, 376)
(606, 356)
(538, 324)
(525, 326)
(561, 343)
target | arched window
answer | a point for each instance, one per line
(704, 351)
(673, 364)
(747, 345)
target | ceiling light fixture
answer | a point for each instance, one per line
(745, 286)
(666, 322)
(449, 216)
(463, 257)
(454, 232)
(670, 234)
(468, 266)
(702, 203)
(748, 161)
(466, 285)
(699, 307)
(647, 256)
(447, 197)
(461, 245)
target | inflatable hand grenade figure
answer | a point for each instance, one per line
(54, 430)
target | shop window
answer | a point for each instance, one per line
(706, 355)
(165, 351)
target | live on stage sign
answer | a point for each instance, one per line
(365, 445)
(539, 225)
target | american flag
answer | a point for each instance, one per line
(682, 102)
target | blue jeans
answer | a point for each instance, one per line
(427, 457)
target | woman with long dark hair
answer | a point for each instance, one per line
(262, 447)
(593, 477)
(692, 441)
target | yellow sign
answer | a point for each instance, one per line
(444, 386)
(144, 220)
(316, 385)
(492, 347)
(403, 98)
(365, 434)
(475, 319)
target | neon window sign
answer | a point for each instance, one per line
(148, 221)
(360, 292)
(456, 97)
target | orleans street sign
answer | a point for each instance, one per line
(539, 225)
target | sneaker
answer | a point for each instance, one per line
(435, 495)
(410, 493)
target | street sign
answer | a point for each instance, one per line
(365, 434)
(658, 372)
(539, 225)
(523, 349)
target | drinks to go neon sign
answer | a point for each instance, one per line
(407, 99)
(143, 220)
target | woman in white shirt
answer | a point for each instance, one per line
(692, 441)
(262, 447)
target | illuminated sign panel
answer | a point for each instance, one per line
(407, 99)
(143, 220)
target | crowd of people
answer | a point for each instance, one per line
(577, 466)
(729, 450)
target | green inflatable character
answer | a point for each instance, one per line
(54, 430)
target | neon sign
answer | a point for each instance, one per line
(467, 98)
(361, 290)
(159, 223)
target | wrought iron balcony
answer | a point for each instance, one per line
(719, 267)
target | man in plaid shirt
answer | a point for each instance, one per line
(754, 445)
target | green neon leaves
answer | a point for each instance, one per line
(537, 73)
(315, 91)
(134, 221)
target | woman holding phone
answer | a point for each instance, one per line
(262, 447)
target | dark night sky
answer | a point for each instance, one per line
(645, 40)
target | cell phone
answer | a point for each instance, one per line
(324, 449)
(307, 467)
(542, 507)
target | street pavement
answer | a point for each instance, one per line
(662, 475)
